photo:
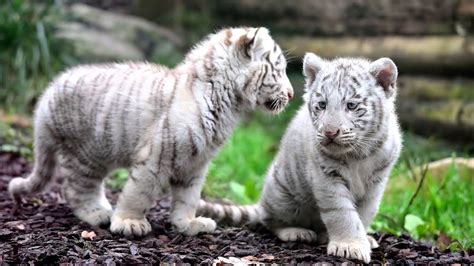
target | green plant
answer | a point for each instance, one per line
(16, 140)
(118, 178)
(428, 205)
(29, 53)
(237, 173)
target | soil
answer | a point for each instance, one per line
(44, 230)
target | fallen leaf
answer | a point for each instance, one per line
(409, 254)
(133, 250)
(88, 235)
(443, 241)
(249, 258)
(267, 257)
(164, 238)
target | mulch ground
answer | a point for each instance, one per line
(43, 230)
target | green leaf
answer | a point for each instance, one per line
(8, 148)
(239, 191)
(412, 222)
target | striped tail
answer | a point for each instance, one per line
(230, 214)
(45, 164)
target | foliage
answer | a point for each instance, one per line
(29, 54)
(118, 178)
(251, 153)
(16, 140)
(441, 205)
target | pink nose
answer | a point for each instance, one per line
(290, 95)
(331, 134)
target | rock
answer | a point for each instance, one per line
(428, 54)
(437, 106)
(435, 89)
(123, 26)
(92, 45)
(347, 17)
(99, 35)
(449, 120)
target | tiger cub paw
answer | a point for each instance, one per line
(351, 249)
(296, 234)
(94, 215)
(130, 227)
(195, 226)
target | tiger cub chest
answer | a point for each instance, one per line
(359, 176)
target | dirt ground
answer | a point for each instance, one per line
(43, 230)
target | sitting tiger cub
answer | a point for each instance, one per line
(164, 124)
(328, 178)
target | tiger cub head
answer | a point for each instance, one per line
(350, 101)
(266, 83)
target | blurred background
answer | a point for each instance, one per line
(431, 192)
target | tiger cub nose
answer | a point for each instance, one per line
(290, 95)
(331, 134)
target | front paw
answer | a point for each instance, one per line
(351, 249)
(130, 227)
(195, 226)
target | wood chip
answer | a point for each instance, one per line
(88, 235)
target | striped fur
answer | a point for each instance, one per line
(324, 190)
(164, 124)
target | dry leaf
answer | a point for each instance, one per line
(88, 235)
(249, 258)
(267, 257)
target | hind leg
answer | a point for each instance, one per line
(186, 195)
(85, 193)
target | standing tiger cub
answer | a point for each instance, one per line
(163, 124)
(328, 178)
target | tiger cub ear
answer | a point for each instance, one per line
(312, 65)
(385, 72)
(254, 43)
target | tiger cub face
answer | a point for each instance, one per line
(349, 101)
(272, 86)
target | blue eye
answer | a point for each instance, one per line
(352, 105)
(322, 104)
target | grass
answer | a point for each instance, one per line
(29, 55)
(443, 205)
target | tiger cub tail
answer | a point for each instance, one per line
(231, 214)
(43, 171)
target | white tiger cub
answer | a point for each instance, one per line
(328, 178)
(164, 124)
